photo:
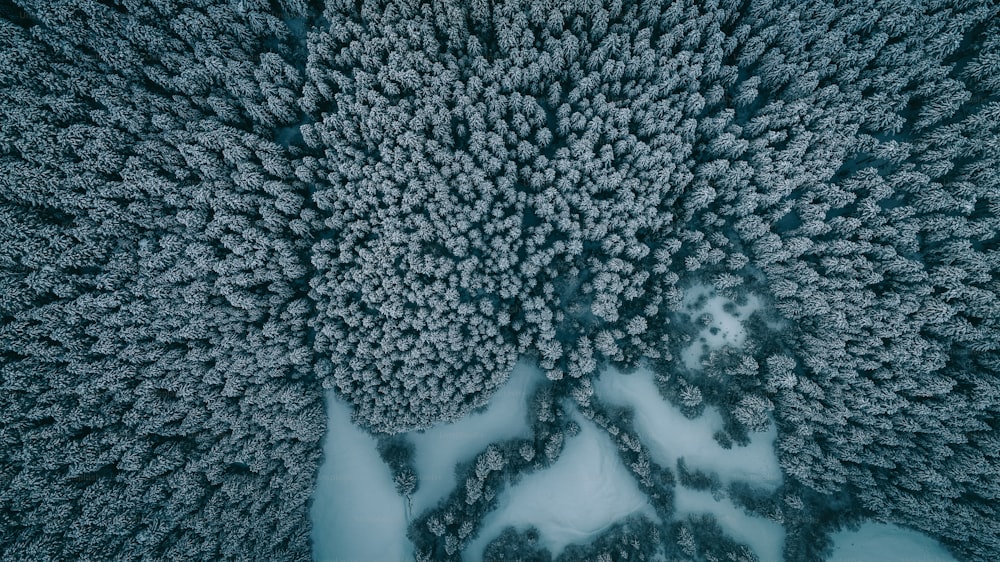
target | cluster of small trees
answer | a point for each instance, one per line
(694, 539)
(699, 537)
(397, 452)
(697, 479)
(517, 545)
(634, 538)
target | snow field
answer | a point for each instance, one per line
(356, 513)
(441, 447)
(585, 491)
(880, 542)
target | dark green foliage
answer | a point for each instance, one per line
(397, 452)
(809, 518)
(700, 538)
(757, 501)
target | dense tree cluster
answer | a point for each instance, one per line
(397, 452)
(517, 545)
(157, 397)
(634, 538)
(656, 482)
(699, 537)
(212, 209)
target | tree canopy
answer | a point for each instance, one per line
(212, 210)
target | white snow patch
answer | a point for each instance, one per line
(585, 491)
(669, 435)
(765, 537)
(356, 513)
(726, 327)
(441, 447)
(880, 542)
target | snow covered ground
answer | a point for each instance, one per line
(879, 542)
(356, 513)
(669, 435)
(440, 448)
(726, 327)
(765, 537)
(585, 491)
(358, 516)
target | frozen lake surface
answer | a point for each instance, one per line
(880, 542)
(669, 435)
(356, 513)
(585, 491)
(440, 448)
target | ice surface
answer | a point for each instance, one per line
(726, 327)
(669, 435)
(585, 491)
(356, 513)
(441, 447)
(879, 542)
(765, 537)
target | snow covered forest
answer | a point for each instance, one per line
(783, 216)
